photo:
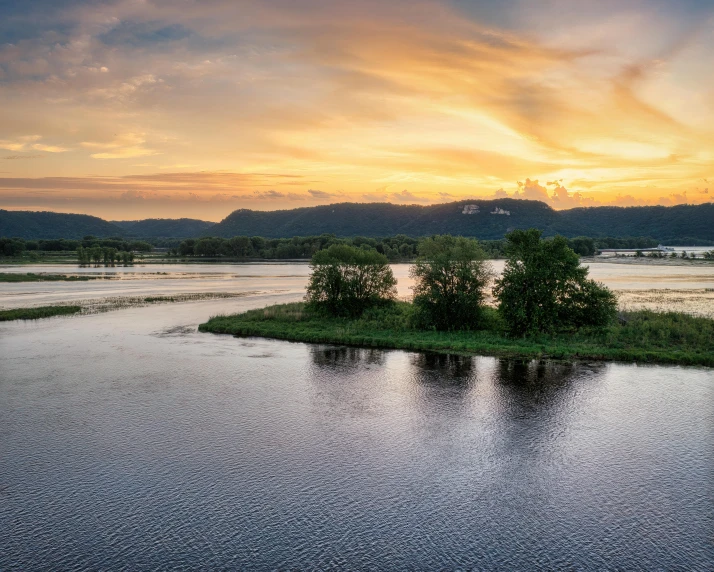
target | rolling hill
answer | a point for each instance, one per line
(164, 227)
(34, 225)
(485, 219)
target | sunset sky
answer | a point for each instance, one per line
(184, 108)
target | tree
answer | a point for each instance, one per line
(140, 246)
(450, 276)
(186, 247)
(241, 246)
(582, 245)
(345, 280)
(544, 289)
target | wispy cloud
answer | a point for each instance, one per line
(441, 100)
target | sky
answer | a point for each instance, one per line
(130, 109)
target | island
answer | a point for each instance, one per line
(547, 308)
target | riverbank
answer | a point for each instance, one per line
(640, 336)
(37, 313)
(31, 277)
(100, 305)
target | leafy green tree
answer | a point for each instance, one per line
(84, 256)
(345, 280)
(241, 246)
(140, 246)
(450, 277)
(544, 289)
(186, 247)
(11, 246)
(582, 245)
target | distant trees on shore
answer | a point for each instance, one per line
(397, 248)
(17, 246)
(104, 255)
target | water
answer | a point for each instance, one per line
(171, 279)
(129, 441)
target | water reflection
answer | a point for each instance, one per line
(199, 455)
(344, 357)
(444, 369)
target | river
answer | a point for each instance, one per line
(130, 441)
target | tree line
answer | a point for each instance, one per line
(107, 255)
(543, 287)
(396, 248)
(13, 247)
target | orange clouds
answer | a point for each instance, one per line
(264, 104)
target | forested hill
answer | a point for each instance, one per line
(663, 223)
(164, 227)
(386, 219)
(37, 225)
(486, 219)
(44, 225)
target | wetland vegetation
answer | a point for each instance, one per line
(641, 336)
(32, 277)
(38, 312)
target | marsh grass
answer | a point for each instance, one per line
(95, 306)
(100, 305)
(693, 301)
(30, 277)
(640, 336)
(37, 313)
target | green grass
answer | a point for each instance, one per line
(36, 313)
(642, 336)
(30, 277)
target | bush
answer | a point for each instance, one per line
(346, 280)
(544, 288)
(450, 277)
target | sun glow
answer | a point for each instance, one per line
(154, 109)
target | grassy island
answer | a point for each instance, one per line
(37, 313)
(643, 336)
(31, 277)
(547, 307)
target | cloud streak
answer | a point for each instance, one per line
(430, 99)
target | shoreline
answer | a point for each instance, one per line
(639, 339)
(88, 307)
(629, 260)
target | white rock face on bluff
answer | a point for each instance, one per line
(470, 209)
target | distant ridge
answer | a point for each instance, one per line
(485, 219)
(43, 224)
(164, 227)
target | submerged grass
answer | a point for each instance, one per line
(30, 277)
(641, 336)
(36, 313)
(101, 305)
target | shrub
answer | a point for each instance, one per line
(544, 288)
(346, 280)
(450, 277)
